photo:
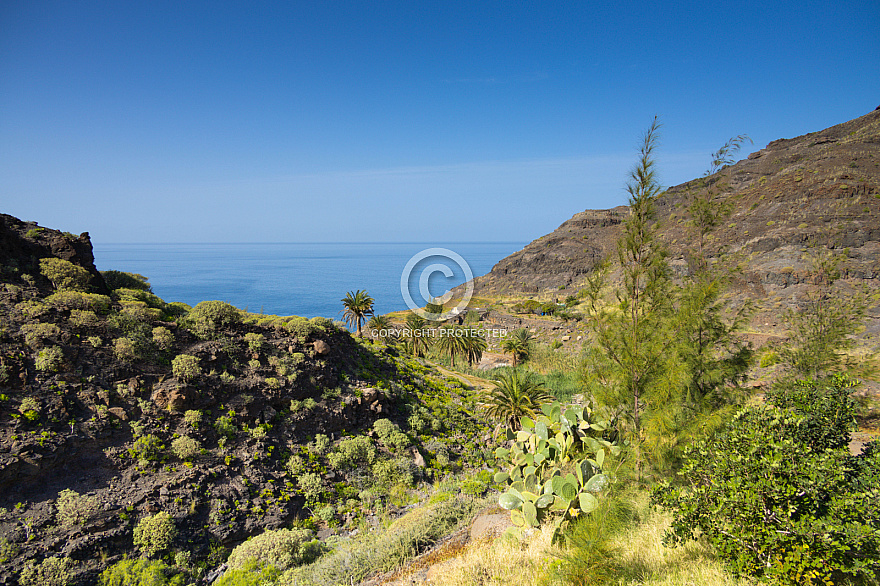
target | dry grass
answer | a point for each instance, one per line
(639, 557)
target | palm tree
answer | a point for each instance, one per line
(515, 395)
(474, 346)
(518, 343)
(450, 341)
(358, 306)
(417, 338)
(380, 327)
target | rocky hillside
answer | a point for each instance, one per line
(116, 406)
(821, 189)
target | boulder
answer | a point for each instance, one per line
(321, 347)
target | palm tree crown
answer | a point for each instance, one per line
(518, 343)
(515, 395)
(358, 305)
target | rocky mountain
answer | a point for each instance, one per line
(819, 190)
(116, 406)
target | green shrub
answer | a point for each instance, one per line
(30, 408)
(79, 300)
(193, 418)
(125, 349)
(95, 341)
(83, 318)
(124, 280)
(282, 548)
(155, 534)
(139, 572)
(64, 274)
(390, 435)
(224, 426)
(163, 338)
(387, 473)
(177, 309)
(36, 334)
(31, 309)
(52, 571)
(351, 452)
(322, 323)
(321, 444)
(301, 327)
(147, 448)
(186, 367)
(49, 359)
(185, 447)
(74, 508)
(209, 316)
(777, 493)
(254, 341)
(310, 485)
(252, 574)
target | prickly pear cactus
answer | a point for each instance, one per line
(555, 465)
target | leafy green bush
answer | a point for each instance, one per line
(322, 323)
(36, 334)
(209, 316)
(52, 571)
(31, 309)
(124, 280)
(139, 572)
(185, 447)
(83, 318)
(777, 493)
(390, 435)
(282, 548)
(155, 534)
(49, 359)
(254, 341)
(64, 274)
(147, 448)
(79, 300)
(186, 367)
(252, 574)
(163, 338)
(125, 349)
(30, 407)
(193, 418)
(352, 451)
(224, 426)
(310, 485)
(74, 508)
(301, 327)
(391, 472)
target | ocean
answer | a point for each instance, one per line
(306, 279)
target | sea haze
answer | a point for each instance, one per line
(307, 279)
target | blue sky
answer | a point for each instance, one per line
(395, 121)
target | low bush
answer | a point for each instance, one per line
(163, 338)
(125, 349)
(49, 359)
(351, 452)
(124, 280)
(52, 571)
(64, 274)
(254, 341)
(155, 534)
(78, 300)
(83, 318)
(252, 574)
(282, 548)
(186, 447)
(36, 334)
(73, 508)
(193, 418)
(147, 448)
(310, 485)
(207, 317)
(777, 493)
(139, 572)
(185, 367)
(390, 435)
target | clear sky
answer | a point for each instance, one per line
(444, 121)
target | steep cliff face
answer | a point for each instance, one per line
(817, 190)
(23, 244)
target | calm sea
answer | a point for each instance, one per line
(297, 278)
